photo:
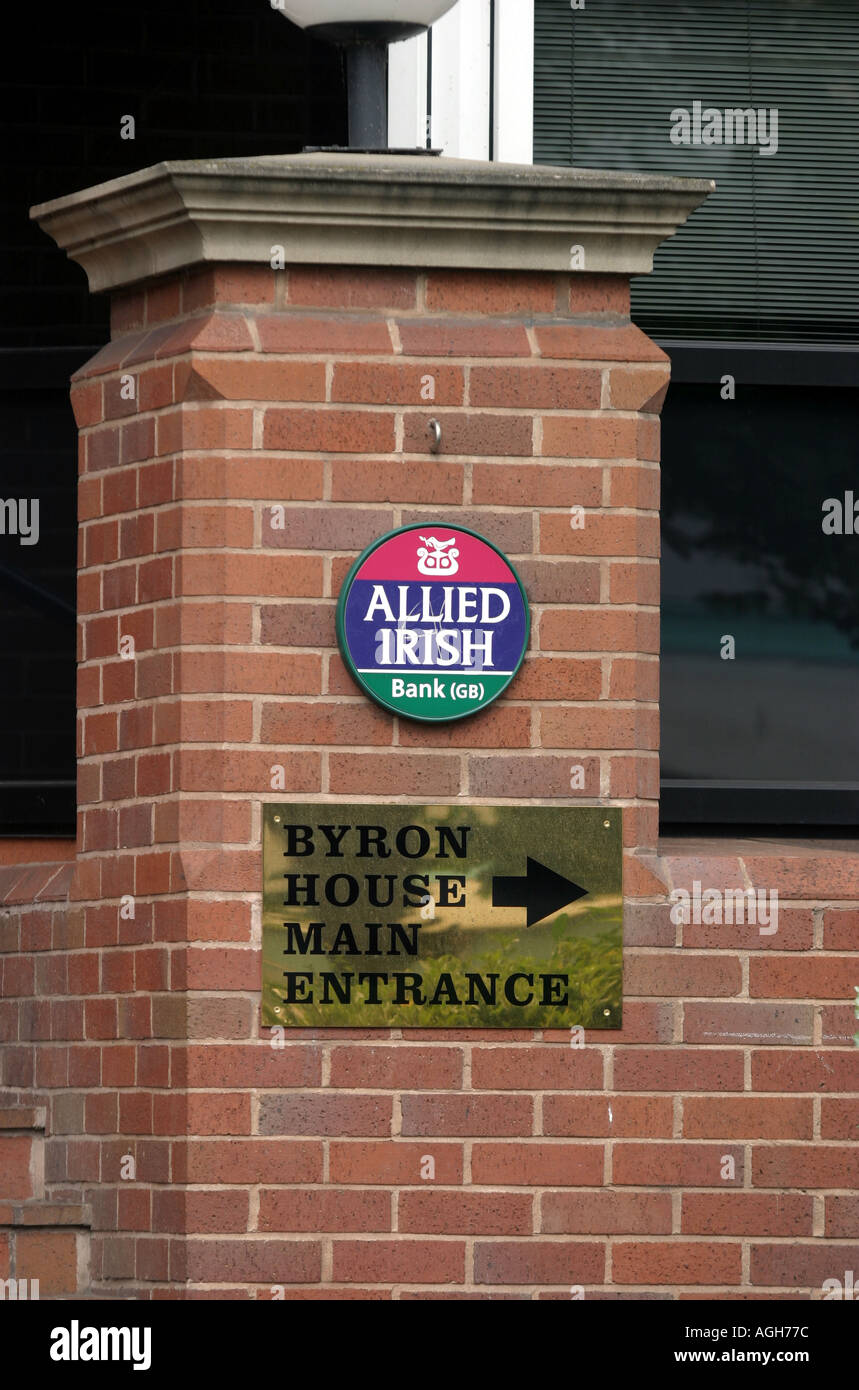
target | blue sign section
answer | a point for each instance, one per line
(395, 626)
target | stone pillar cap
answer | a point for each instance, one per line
(340, 208)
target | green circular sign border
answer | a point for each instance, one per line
(341, 630)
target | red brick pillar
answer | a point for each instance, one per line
(245, 433)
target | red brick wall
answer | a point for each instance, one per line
(300, 1167)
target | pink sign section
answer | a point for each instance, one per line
(441, 553)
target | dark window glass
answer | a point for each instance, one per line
(746, 560)
(761, 286)
(37, 609)
(202, 78)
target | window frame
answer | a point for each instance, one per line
(474, 74)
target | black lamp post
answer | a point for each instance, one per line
(365, 28)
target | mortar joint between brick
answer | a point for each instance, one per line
(253, 1208)
(605, 389)
(258, 511)
(605, 499)
(466, 384)
(467, 482)
(469, 1264)
(605, 677)
(393, 329)
(256, 928)
(537, 441)
(678, 1021)
(605, 582)
(608, 1069)
(609, 1261)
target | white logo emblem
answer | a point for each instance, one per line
(437, 559)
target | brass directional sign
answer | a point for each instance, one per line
(441, 916)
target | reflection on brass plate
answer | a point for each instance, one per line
(442, 916)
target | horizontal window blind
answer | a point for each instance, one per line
(773, 254)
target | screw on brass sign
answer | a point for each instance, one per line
(441, 916)
(433, 622)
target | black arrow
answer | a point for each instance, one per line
(541, 891)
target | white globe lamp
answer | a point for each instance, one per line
(365, 28)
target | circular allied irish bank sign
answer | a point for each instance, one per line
(433, 622)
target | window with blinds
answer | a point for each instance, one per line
(773, 254)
